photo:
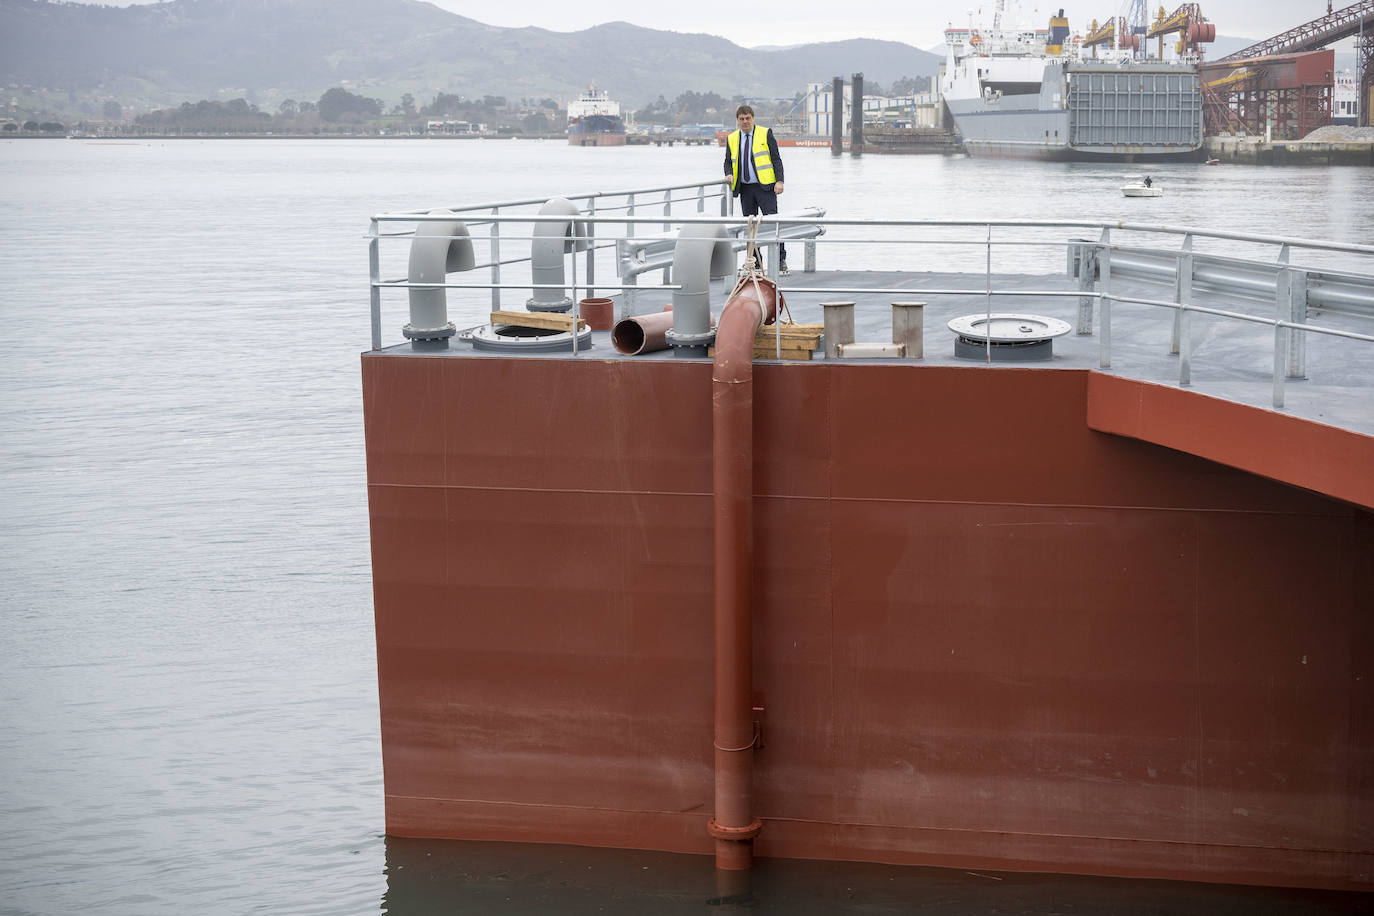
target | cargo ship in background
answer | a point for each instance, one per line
(594, 120)
(1044, 94)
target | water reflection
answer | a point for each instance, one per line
(431, 877)
(426, 877)
(198, 693)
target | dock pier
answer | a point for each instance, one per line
(1258, 151)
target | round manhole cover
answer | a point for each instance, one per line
(1008, 327)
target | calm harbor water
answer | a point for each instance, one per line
(188, 700)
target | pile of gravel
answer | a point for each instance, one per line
(1340, 133)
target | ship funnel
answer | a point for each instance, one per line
(553, 240)
(1059, 34)
(439, 248)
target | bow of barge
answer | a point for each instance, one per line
(1041, 617)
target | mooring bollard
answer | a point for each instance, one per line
(839, 326)
(908, 327)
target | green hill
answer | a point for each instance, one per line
(270, 50)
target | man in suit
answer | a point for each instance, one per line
(754, 167)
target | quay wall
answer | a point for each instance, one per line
(1254, 151)
(985, 634)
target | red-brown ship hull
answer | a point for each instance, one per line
(992, 629)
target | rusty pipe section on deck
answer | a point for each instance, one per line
(643, 333)
(732, 419)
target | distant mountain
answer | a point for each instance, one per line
(264, 50)
(1225, 45)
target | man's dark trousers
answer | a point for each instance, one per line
(754, 198)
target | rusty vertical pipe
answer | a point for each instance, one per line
(732, 418)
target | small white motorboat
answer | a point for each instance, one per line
(1141, 188)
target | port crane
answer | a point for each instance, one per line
(1129, 33)
(1137, 18)
(1112, 32)
(1190, 25)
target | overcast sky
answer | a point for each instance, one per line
(803, 21)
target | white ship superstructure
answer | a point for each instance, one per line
(593, 102)
(1345, 99)
(594, 120)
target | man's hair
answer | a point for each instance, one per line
(744, 110)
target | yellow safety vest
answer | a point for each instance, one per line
(763, 162)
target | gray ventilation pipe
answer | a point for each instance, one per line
(703, 253)
(552, 240)
(438, 249)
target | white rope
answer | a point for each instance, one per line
(751, 272)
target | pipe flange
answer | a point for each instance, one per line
(413, 333)
(734, 833)
(564, 305)
(679, 339)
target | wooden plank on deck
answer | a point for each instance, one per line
(552, 321)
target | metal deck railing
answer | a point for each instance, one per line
(1250, 278)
